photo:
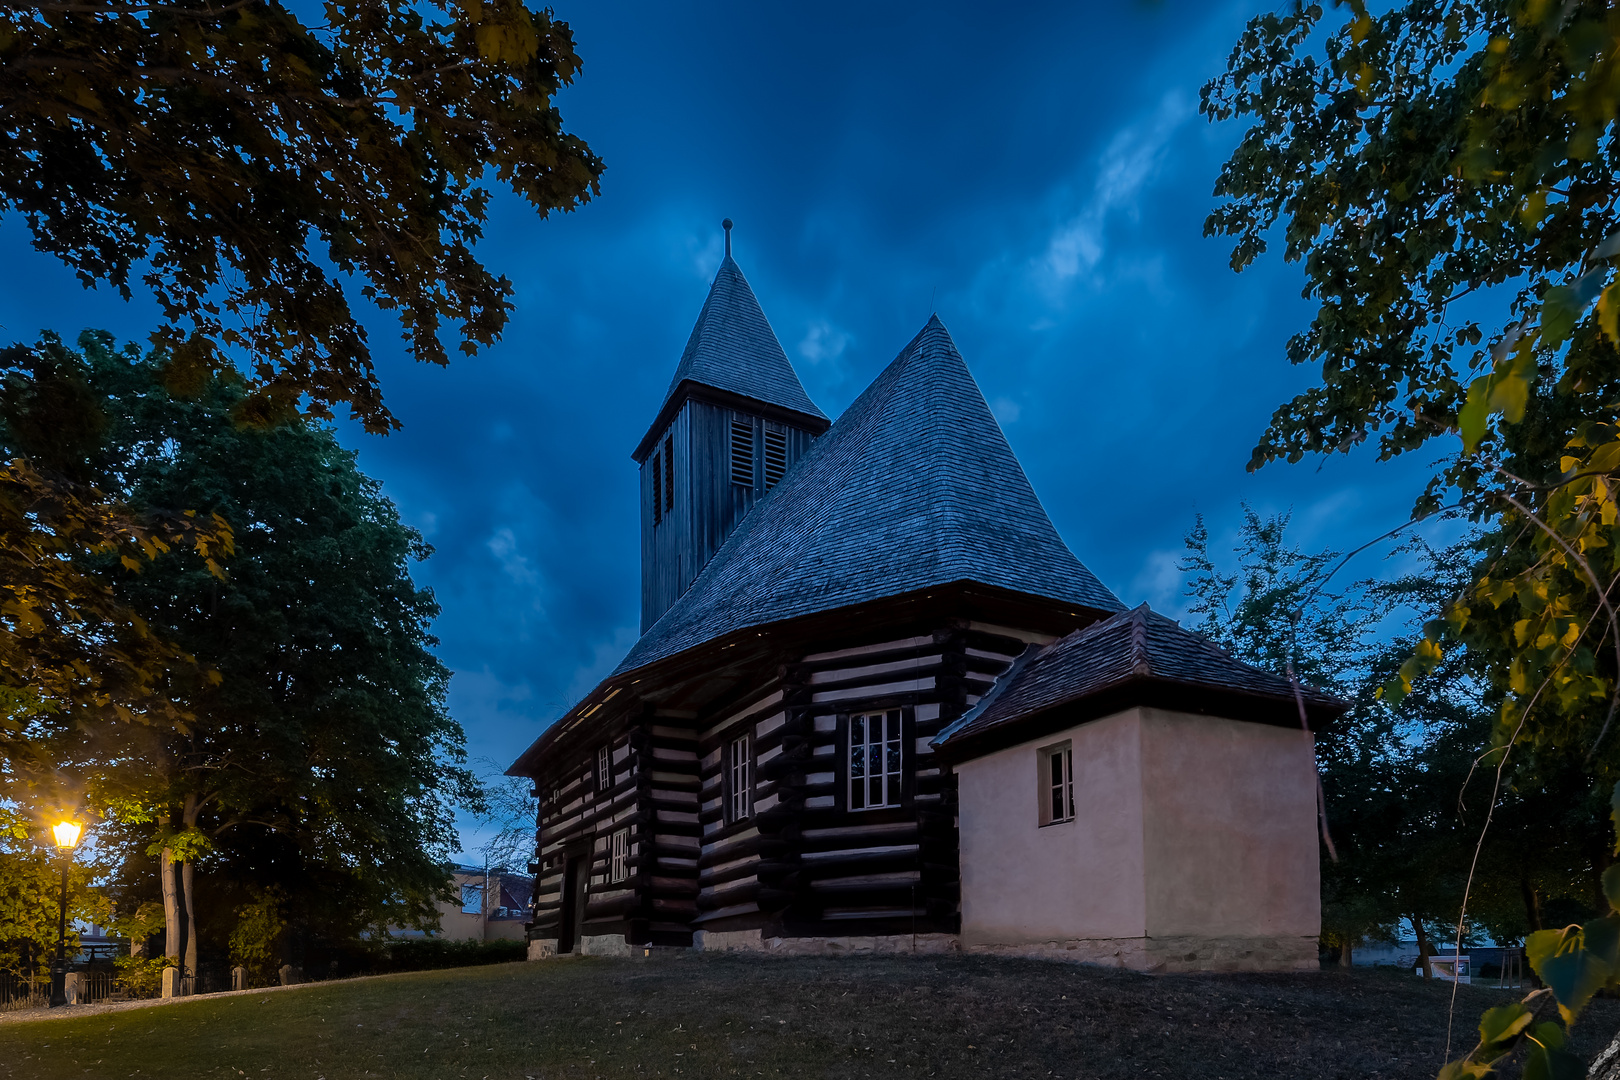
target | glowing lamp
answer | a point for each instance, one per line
(67, 834)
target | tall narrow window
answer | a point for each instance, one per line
(669, 472)
(604, 768)
(874, 760)
(657, 491)
(742, 451)
(472, 899)
(739, 796)
(619, 863)
(1055, 776)
(775, 456)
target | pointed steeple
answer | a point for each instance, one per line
(734, 350)
(914, 486)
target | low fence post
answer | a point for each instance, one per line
(171, 982)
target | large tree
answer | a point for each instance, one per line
(245, 165)
(318, 757)
(1447, 173)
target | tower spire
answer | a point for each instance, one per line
(726, 225)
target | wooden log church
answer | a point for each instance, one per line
(877, 704)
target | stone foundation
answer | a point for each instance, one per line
(600, 945)
(1171, 954)
(753, 941)
(542, 948)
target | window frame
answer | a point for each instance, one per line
(901, 792)
(604, 767)
(619, 856)
(739, 791)
(1047, 789)
(474, 889)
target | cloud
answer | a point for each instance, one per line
(1007, 410)
(606, 658)
(823, 341)
(504, 546)
(1131, 160)
(1159, 582)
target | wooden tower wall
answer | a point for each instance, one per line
(678, 539)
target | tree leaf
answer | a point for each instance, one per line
(1503, 1023)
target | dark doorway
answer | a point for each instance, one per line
(573, 904)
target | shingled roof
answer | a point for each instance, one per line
(1138, 647)
(913, 487)
(733, 348)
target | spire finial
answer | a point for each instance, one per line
(726, 225)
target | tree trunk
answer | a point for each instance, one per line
(1425, 950)
(1606, 1066)
(1345, 959)
(1532, 904)
(190, 894)
(173, 918)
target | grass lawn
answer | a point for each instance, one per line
(721, 1016)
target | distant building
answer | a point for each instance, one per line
(877, 703)
(492, 905)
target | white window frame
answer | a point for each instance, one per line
(1054, 783)
(604, 768)
(619, 856)
(474, 907)
(739, 778)
(867, 789)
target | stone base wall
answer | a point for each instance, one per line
(1171, 954)
(753, 941)
(542, 948)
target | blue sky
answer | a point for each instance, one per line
(1038, 174)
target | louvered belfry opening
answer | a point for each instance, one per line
(775, 456)
(742, 451)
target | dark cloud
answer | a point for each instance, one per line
(1038, 175)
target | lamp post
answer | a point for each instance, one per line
(66, 834)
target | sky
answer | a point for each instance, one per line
(1038, 174)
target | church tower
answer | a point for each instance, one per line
(734, 421)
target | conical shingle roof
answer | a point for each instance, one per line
(733, 348)
(913, 487)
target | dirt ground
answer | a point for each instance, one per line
(718, 1016)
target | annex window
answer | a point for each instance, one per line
(739, 795)
(742, 451)
(604, 768)
(874, 760)
(657, 491)
(775, 456)
(619, 856)
(472, 899)
(1056, 782)
(669, 472)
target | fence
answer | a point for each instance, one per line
(18, 992)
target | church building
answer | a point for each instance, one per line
(878, 704)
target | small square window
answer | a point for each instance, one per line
(1055, 782)
(739, 795)
(604, 768)
(619, 863)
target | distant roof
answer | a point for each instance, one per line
(913, 487)
(1139, 645)
(733, 348)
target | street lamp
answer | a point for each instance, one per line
(66, 834)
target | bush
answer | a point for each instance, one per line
(426, 954)
(141, 976)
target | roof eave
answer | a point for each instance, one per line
(1151, 691)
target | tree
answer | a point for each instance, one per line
(1446, 173)
(321, 759)
(244, 164)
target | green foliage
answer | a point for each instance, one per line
(428, 954)
(235, 154)
(1446, 174)
(141, 976)
(30, 896)
(255, 942)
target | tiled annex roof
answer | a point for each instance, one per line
(1136, 644)
(913, 487)
(733, 348)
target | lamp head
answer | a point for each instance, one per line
(67, 834)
